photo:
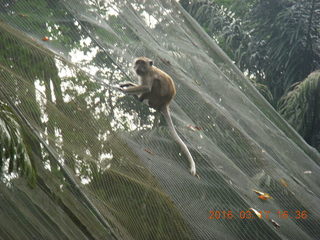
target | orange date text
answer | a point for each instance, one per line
(249, 214)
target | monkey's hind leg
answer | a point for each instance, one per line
(144, 96)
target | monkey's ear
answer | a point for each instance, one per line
(151, 62)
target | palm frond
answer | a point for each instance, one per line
(300, 106)
(264, 90)
(13, 153)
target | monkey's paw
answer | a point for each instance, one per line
(124, 85)
(119, 88)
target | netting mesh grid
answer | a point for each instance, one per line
(105, 169)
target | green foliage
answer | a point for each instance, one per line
(301, 108)
(284, 43)
(92, 146)
(239, 7)
(13, 153)
(277, 42)
(76, 118)
(212, 16)
(264, 90)
(25, 18)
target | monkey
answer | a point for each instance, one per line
(158, 88)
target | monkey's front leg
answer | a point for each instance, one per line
(137, 90)
(122, 87)
(127, 84)
(133, 89)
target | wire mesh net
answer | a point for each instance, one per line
(105, 169)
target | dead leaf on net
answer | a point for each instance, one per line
(274, 223)
(194, 128)
(262, 195)
(259, 215)
(22, 15)
(149, 151)
(283, 182)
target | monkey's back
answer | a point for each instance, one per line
(162, 91)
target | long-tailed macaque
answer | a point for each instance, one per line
(158, 88)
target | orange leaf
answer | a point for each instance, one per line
(262, 195)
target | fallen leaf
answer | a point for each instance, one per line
(149, 151)
(274, 223)
(194, 128)
(283, 182)
(262, 195)
(22, 15)
(256, 212)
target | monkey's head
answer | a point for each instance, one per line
(142, 65)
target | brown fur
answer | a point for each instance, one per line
(162, 91)
(158, 88)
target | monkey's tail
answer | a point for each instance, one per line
(185, 150)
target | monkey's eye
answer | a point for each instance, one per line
(151, 63)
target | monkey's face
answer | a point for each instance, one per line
(142, 66)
